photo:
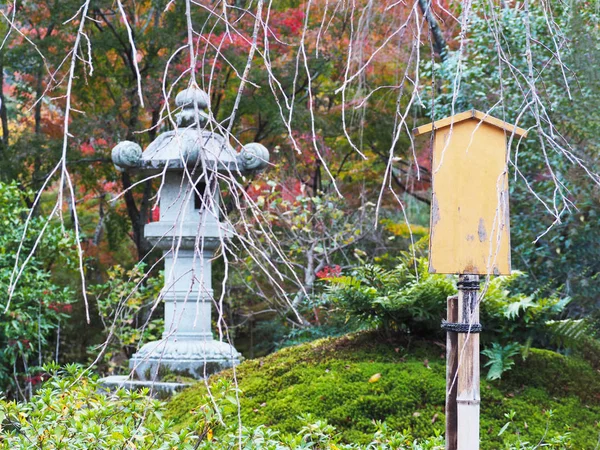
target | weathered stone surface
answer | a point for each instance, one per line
(253, 157)
(191, 148)
(186, 357)
(126, 155)
(194, 104)
(159, 389)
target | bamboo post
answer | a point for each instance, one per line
(467, 395)
(451, 375)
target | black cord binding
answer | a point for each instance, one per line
(468, 285)
(461, 327)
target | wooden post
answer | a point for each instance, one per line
(451, 375)
(467, 395)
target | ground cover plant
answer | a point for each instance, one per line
(358, 380)
(72, 411)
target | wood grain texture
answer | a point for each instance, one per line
(451, 376)
(467, 395)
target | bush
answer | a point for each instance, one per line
(125, 302)
(70, 411)
(410, 300)
(402, 299)
(33, 316)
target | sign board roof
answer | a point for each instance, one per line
(471, 114)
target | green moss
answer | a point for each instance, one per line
(590, 351)
(329, 378)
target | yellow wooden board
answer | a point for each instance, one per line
(470, 228)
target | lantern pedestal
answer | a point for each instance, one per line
(187, 347)
(185, 357)
(160, 389)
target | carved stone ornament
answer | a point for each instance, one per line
(194, 102)
(126, 155)
(254, 157)
(189, 231)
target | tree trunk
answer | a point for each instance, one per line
(138, 217)
(137, 228)
(439, 43)
(37, 157)
(3, 113)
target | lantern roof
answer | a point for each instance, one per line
(472, 114)
(195, 143)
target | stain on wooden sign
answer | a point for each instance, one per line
(470, 226)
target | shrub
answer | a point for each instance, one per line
(401, 299)
(410, 300)
(71, 412)
(28, 331)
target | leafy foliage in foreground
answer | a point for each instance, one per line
(71, 411)
(330, 379)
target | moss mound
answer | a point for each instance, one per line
(333, 379)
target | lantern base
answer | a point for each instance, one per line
(189, 358)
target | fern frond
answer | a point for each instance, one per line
(568, 332)
(512, 310)
(501, 358)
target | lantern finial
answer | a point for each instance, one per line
(194, 103)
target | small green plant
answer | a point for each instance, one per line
(569, 332)
(125, 303)
(557, 441)
(500, 358)
(71, 411)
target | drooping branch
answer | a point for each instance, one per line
(396, 177)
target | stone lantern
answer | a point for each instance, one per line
(188, 162)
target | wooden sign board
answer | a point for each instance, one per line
(470, 227)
